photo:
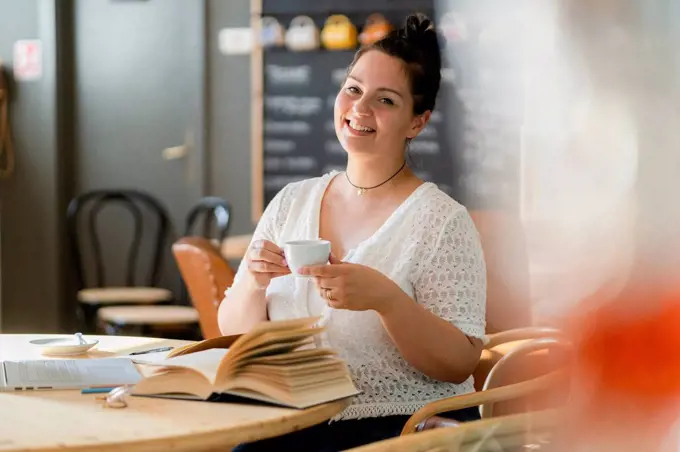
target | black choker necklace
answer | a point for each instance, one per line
(362, 190)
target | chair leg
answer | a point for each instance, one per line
(110, 329)
(146, 330)
(80, 318)
(87, 317)
(113, 328)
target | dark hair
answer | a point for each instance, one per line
(417, 45)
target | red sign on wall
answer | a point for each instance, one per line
(28, 64)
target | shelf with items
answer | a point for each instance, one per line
(345, 7)
(328, 31)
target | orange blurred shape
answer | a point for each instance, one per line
(630, 348)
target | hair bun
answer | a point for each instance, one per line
(417, 27)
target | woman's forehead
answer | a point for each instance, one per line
(376, 69)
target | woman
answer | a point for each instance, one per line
(407, 282)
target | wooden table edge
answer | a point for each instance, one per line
(223, 439)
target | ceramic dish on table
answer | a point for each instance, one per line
(64, 346)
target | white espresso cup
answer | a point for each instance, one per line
(305, 253)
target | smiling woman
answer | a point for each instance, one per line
(404, 296)
(373, 110)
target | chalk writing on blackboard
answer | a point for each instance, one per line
(333, 147)
(338, 76)
(288, 75)
(276, 183)
(424, 147)
(328, 168)
(293, 106)
(289, 164)
(287, 127)
(436, 116)
(279, 146)
(428, 132)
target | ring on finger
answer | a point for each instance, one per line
(327, 294)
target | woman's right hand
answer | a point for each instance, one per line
(265, 262)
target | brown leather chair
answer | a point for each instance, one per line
(207, 275)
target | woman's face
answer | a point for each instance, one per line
(374, 109)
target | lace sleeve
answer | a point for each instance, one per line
(269, 226)
(452, 280)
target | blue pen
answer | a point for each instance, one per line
(97, 390)
(153, 350)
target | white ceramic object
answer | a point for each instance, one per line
(64, 346)
(272, 33)
(302, 34)
(304, 253)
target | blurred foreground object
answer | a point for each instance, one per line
(626, 396)
(599, 170)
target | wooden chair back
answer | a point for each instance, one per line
(493, 435)
(206, 275)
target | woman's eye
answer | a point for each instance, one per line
(352, 90)
(386, 101)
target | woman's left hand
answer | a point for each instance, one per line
(354, 287)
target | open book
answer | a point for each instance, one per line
(276, 362)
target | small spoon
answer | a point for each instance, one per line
(81, 341)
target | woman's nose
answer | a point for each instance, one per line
(361, 108)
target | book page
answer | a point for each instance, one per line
(206, 361)
(216, 342)
(291, 383)
(309, 368)
(311, 396)
(228, 366)
(252, 338)
(294, 357)
(180, 382)
(270, 362)
(273, 337)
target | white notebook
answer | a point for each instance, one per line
(66, 374)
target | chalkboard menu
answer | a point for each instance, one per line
(299, 90)
(484, 101)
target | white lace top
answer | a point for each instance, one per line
(429, 246)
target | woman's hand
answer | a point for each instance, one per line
(354, 287)
(265, 262)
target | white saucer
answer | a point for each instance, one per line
(64, 346)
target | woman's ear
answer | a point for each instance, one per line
(418, 124)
